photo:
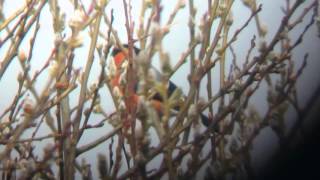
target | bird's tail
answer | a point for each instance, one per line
(207, 121)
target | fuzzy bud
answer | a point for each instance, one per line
(77, 19)
(138, 130)
(249, 92)
(152, 74)
(53, 68)
(222, 6)
(122, 106)
(75, 41)
(248, 3)
(93, 86)
(62, 85)
(123, 78)
(112, 68)
(27, 2)
(22, 56)
(165, 29)
(97, 109)
(230, 19)
(199, 37)
(222, 9)
(116, 92)
(165, 63)
(102, 3)
(285, 33)
(293, 77)
(237, 85)
(182, 4)
(20, 77)
(4, 126)
(28, 106)
(263, 30)
(257, 77)
(193, 112)
(262, 46)
(149, 3)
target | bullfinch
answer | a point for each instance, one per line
(117, 69)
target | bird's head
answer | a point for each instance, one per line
(119, 54)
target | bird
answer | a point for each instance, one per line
(117, 69)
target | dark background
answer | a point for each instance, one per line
(302, 161)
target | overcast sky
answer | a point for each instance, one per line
(175, 43)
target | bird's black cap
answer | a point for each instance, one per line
(116, 50)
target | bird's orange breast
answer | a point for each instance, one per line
(118, 59)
